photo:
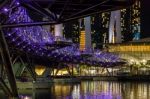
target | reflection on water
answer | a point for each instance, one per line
(90, 90)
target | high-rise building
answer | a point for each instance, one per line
(99, 29)
(79, 31)
(135, 17)
(96, 28)
(72, 31)
(126, 23)
(130, 22)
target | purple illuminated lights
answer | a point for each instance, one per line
(5, 10)
(33, 40)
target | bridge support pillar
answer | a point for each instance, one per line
(8, 64)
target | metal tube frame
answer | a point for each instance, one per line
(8, 64)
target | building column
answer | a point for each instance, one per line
(85, 34)
(115, 27)
(87, 22)
(59, 30)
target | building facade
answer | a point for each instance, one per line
(109, 27)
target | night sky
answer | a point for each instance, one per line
(145, 18)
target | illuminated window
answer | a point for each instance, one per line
(82, 41)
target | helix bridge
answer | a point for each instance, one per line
(37, 41)
(25, 40)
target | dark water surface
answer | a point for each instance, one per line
(89, 90)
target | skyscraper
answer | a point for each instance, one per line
(96, 26)
(125, 23)
(130, 22)
(72, 31)
(99, 29)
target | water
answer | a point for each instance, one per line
(89, 90)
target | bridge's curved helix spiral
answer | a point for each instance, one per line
(33, 39)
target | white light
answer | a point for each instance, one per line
(132, 60)
(26, 97)
(144, 61)
(5, 9)
(18, 3)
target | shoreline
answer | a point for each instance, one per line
(42, 83)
